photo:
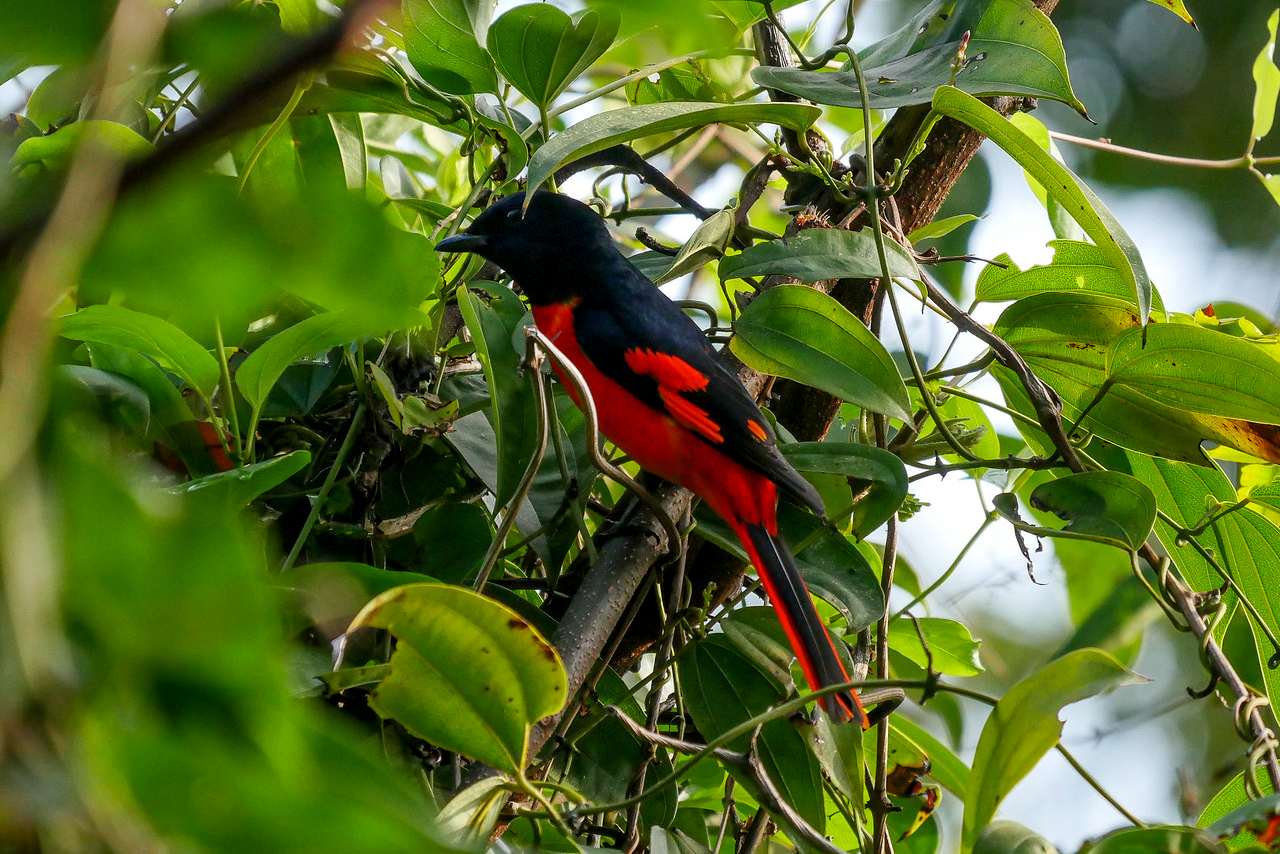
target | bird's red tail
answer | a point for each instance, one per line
(808, 636)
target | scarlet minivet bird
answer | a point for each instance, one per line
(663, 395)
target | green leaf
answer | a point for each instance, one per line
(348, 132)
(1013, 49)
(1231, 797)
(1065, 339)
(954, 651)
(236, 488)
(1157, 840)
(259, 372)
(1024, 726)
(881, 473)
(493, 316)
(454, 539)
(707, 243)
(56, 150)
(468, 674)
(941, 227)
(1266, 79)
(472, 814)
(1198, 370)
(1076, 266)
(1260, 810)
(1009, 837)
(598, 132)
(172, 348)
(821, 253)
(804, 335)
(166, 403)
(1104, 504)
(722, 688)
(1060, 183)
(541, 50)
(444, 41)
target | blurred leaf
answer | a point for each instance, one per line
(51, 34)
(236, 488)
(1266, 79)
(820, 253)
(1116, 622)
(600, 131)
(722, 688)
(541, 50)
(1105, 504)
(1198, 370)
(1013, 49)
(804, 335)
(150, 336)
(1157, 840)
(1024, 726)
(1076, 266)
(952, 651)
(444, 41)
(166, 404)
(1059, 181)
(120, 398)
(329, 595)
(56, 150)
(472, 813)
(1009, 837)
(884, 475)
(468, 674)
(944, 765)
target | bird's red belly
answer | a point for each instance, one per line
(655, 440)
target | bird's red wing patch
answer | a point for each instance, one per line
(675, 375)
(757, 430)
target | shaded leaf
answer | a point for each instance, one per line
(1009, 837)
(707, 243)
(468, 674)
(236, 488)
(796, 332)
(1105, 504)
(151, 336)
(540, 50)
(598, 132)
(944, 765)
(820, 253)
(881, 473)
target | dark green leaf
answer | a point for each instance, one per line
(598, 132)
(444, 40)
(796, 332)
(1013, 49)
(453, 539)
(820, 253)
(468, 674)
(880, 473)
(1104, 504)
(236, 488)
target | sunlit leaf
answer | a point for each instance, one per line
(804, 335)
(707, 243)
(1157, 840)
(1104, 504)
(468, 674)
(1009, 837)
(1073, 194)
(948, 647)
(444, 40)
(1266, 79)
(1076, 266)
(821, 253)
(1024, 726)
(56, 150)
(540, 50)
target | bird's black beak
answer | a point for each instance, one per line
(462, 242)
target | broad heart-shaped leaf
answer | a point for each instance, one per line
(1076, 266)
(1065, 338)
(1106, 504)
(723, 688)
(1060, 183)
(1013, 49)
(493, 315)
(540, 50)
(236, 488)
(1197, 369)
(598, 132)
(804, 335)
(468, 674)
(158, 339)
(1266, 79)
(444, 41)
(883, 472)
(821, 253)
(259, 372)
(1024, 726)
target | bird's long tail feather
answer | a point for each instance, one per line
(808, 636)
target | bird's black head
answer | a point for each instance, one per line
(548, 249)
